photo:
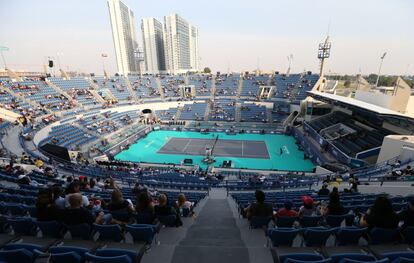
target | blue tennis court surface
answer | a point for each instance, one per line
(252, 151)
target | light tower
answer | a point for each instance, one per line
(380, 66)
(290, 60)
(324, 52)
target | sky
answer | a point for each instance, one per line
(235, 35)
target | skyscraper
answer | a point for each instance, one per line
(194, 58)
(153, 41)
(123, 33)
(178, 42)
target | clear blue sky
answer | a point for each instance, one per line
(233, 33)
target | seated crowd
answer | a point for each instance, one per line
(71, 207)
(380, 215)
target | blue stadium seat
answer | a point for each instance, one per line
(141, 232)
(68, 253)
(383, 235)
(391, 256)
(408, 235)
(23, 226)
(259, 221)
(286, 221)
(17, 256)
(121, 215)
(307, 257)
(67, 257)
(51, 229)
(310, 221)
(282, 236)
(116, 259)
(347, 260)
(108, 232)
(316, 236)
(336, 220)
(354, 256)
(112, 253)
(349, 235)
(290, 260)
(169, 220)
(81, 231)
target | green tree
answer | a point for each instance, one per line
(207, 70)
(347, 83)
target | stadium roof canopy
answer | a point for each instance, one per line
(354, 104)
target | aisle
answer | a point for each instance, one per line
(214, 237)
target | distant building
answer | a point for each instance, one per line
(180, 44)
(153, 42)
(123, 33)
(194, 57)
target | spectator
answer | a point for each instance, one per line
(308, 208)
(381, 214)
(182, 202)
(77, 214)
(119, 204)
(165, 209)
(407, 215)
(324, 191)
(58, 197)
(408, 170)
(334, 207)
(259, 208)
(46, 208)
(145, 209)
(286, 211)
(74, 188)
(99, 182)
(24, 180)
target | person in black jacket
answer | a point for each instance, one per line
(381, 214)
(407, 215)
(47, 210)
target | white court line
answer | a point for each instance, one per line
(149, 144)
(286, 149)
(185, 148)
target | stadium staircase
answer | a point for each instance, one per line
(215, 234)
(240, 87)
(59, 90)
(237, 116)
(207, 112)
(95, 94)
(131, 90)
(269, 115)
(160, 89)
(213, 86)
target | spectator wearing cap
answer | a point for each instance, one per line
(308, 208)
(407, 215)
(286, 211)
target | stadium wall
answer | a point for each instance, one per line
(392, 146)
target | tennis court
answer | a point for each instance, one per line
(251, 151)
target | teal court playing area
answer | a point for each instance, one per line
(251, 151)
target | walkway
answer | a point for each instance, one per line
(214, 236)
